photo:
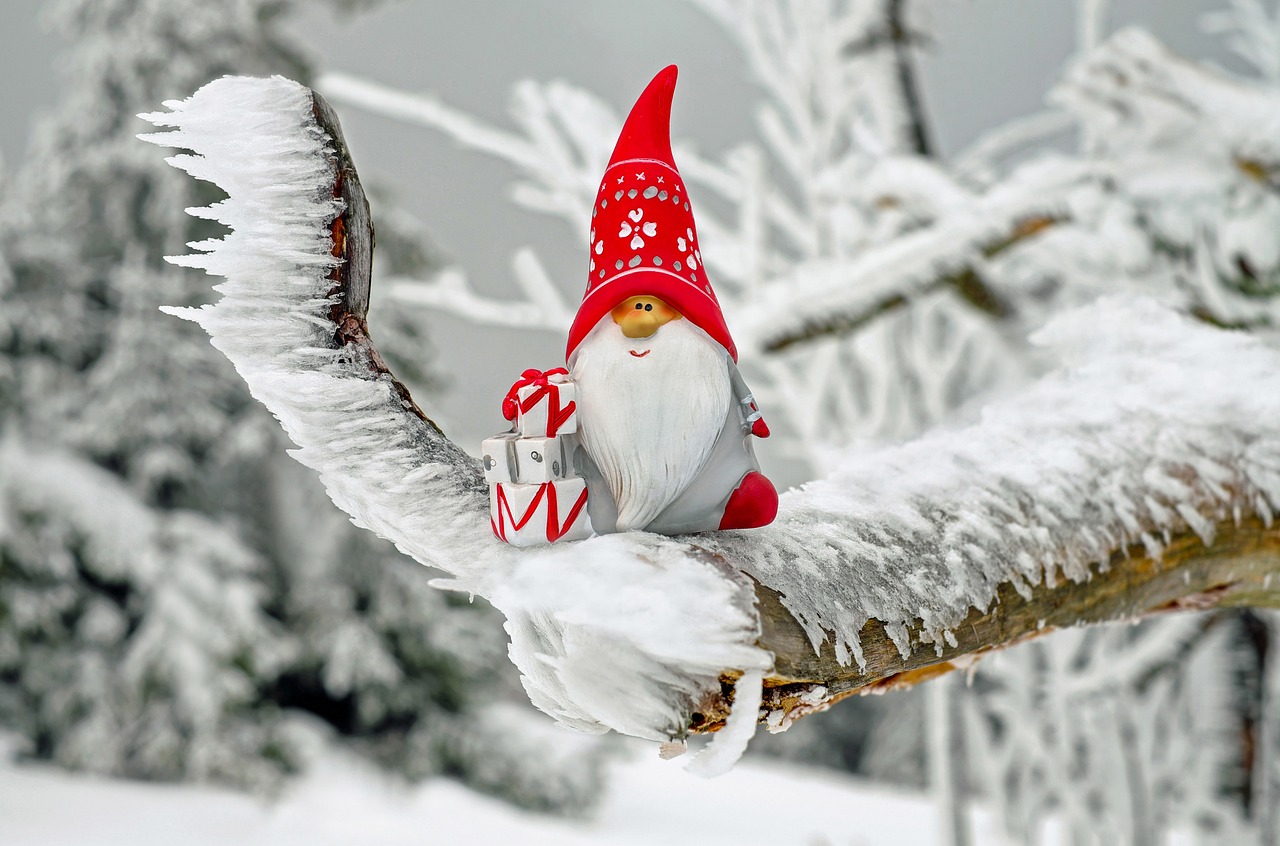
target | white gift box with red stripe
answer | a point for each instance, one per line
(548, 409)
(534, 515)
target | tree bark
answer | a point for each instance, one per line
(1240, 568)
(917, 124)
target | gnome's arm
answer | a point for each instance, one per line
(753, 420)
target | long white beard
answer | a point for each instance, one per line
(649, 423)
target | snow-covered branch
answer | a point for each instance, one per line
(1148, 98)
(1253, 33)
(826, 298)
(450, 291)
(427, 111)
(560, 149)
(977, 161)
(1238, 567)
(1154, 432)
(292, 313)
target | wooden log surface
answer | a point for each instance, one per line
(1240, 568)
(353, 242)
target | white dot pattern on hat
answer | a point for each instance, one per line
(645, 240)
(646, 230)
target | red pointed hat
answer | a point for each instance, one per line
(643, 240)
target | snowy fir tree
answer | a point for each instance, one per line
(177, 599)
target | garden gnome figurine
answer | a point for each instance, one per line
(665, 421)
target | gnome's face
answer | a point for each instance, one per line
(653, 395)
(640, 317)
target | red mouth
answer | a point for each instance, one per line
(640, 355)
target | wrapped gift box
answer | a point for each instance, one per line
(508, 457)
(533, 515)
(498, 455)
(547, 410)
(543, 459)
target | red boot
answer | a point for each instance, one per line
(753, 504)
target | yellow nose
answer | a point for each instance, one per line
(639, 324)
(640, 317)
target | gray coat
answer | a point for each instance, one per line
(701, 505)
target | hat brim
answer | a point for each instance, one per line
(676, 291)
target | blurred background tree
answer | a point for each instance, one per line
(178, 600)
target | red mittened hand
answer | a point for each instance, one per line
(532, 376)
(758, 426)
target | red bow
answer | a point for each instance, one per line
(532, 376)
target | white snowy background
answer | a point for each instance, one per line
(1115, 735)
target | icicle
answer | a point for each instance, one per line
(728, 744)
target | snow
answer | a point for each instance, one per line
(342, 801)
(1151, 421)
(112, 524)
(622, 631)
(724, 751)
(819, 293)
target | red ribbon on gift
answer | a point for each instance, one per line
(511, 404)
(555, 529)
(532, 376)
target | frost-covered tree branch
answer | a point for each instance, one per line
(840, 297)
(449, 290)
(901, 38)
(1238, 567)
(1154, 437)
(1149, 105)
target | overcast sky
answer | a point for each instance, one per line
(990, 60)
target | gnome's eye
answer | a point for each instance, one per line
(648, 306)
(639, 306)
